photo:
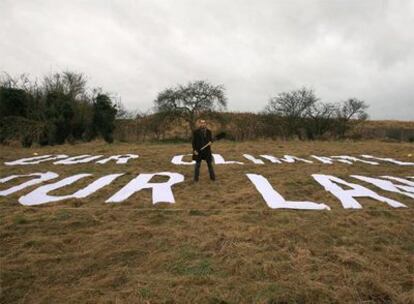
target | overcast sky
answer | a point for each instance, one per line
(256, 49)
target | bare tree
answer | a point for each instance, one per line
(189, 101)
(123, 113)
(351, 110)
(320, 119)
(293, 106)
(75, 84)
(66, 83)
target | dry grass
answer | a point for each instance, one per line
(219, 243)
(389, 124)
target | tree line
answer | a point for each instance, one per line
(62, 108)
(297, 113)
(57, 109)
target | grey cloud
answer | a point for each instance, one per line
(341, 49)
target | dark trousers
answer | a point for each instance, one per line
(210, 169)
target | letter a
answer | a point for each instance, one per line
(387, 185)
(346, 197)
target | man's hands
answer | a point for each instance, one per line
(208, 144)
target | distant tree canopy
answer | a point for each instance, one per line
(104, 117)
(14, 102)
(302, 114)
(349, 109)
(190, 101)
(293, 106)
(61, 108)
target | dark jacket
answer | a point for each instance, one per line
(199, 141)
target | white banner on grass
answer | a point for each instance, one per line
(35, 160)
(161, 192)
(41, 177)
(347, 197)
(276, 201)
(40, 195)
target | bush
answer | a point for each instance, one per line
(104, 117)
(61, 107)
(20, 129)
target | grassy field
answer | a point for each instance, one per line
(219, 243)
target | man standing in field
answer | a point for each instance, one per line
(202, 140)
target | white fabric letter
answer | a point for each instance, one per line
(391, 160)
(401, 180)
(275, 201)
(161, 192)
(355, 159)
(41, 177)
(219, 160)
(271, 158)
(40, 195)
(178, 160)
(254, 159)
(346, 197)
(285, 158)
(35, 160)
(120, 159)
(387, 185)
(80, 159)
(329, 161)
(292, 159)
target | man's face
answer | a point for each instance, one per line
(203, 124)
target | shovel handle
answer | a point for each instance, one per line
(209, 143)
